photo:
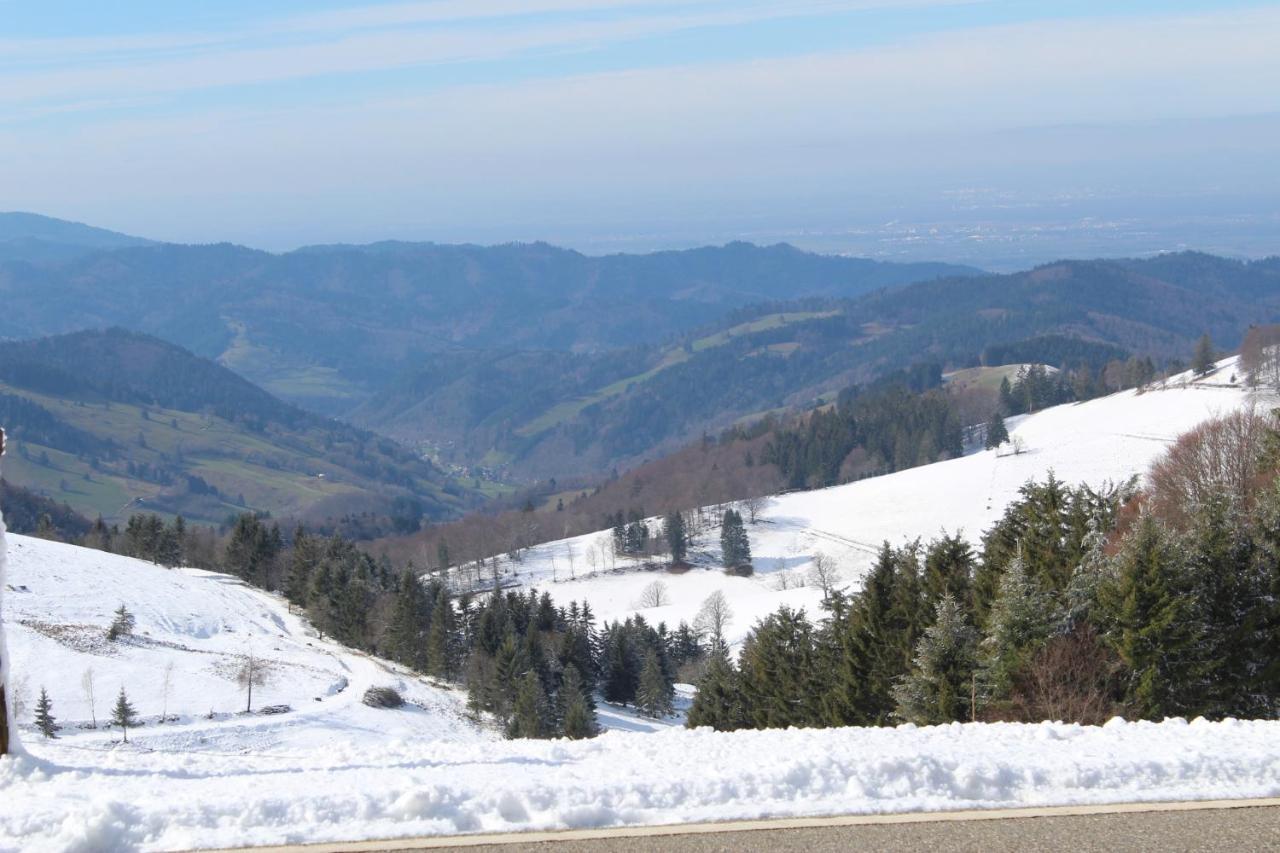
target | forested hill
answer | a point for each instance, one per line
(41, 239)
(112, 422)
(325, 326)
(543, 414)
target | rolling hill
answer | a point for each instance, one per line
(116, 422)
(326, 326)
(542, 414)
(37, 239)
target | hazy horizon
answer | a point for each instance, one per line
(993, 133)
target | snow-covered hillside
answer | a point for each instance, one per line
(331, 768)
(1105, 440)
(194, 629)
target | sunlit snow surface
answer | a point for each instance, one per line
(332, 768)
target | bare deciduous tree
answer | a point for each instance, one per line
(654, 595)
(86, 684)
(824, 574)
(1221, 457)
(253, 672)
(713, 617)
(165, 686)
(754, 507)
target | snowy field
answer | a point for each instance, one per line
(330, 768)
(1101, 441)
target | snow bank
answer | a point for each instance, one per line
(72, 800)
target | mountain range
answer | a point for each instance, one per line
(527, 361)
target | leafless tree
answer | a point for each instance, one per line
(713, 617)
(1260, 356)
(754, 507)
(86, 684)
(253, 672)
(165, 686)
(654, 595)
(1221, 457)
(824, 574)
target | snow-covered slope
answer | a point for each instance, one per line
(194, 629)
(1108, 439)
(331, 768)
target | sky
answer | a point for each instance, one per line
(991, 132)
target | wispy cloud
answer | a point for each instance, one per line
(366, 39)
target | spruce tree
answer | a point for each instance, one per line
(940, 686)
(677, 538)
(123, 715)
(441, 657)
(1150, 622)
(1022, 617)
(409, 618)
(948, 569)
(1231, 591)
(718, 702)
(577, 712)
(734, 542)
(867, 654)
(654, 693)
(45, 720)
(1203, 359)
(530, 716)
(997, 432)
(778, 673)
(122, 625)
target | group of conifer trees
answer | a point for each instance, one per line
(1079, 605)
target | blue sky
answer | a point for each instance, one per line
(610, 123)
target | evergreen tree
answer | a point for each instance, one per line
(45, 720)
(1022, 617)
(940, 687)
(677, 537)
(948, 569)
(121, 625)
(777, 672)
(530, 717)
(718, 702)
(123, 715)
(868, 656)
(1150, 622)
(441, 648)
(1232, 596)
(577, 712)
(409, 618)
(1203, 359)
(1007, 404)
(734, 542)
(654, 693)
(997, 432)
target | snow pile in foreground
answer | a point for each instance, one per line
(68, 799)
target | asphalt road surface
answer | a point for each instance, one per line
(1234, 830)
(1227, 826)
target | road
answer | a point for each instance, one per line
(1212, 827)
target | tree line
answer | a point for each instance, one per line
(1078, 605)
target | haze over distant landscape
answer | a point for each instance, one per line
(993, 133)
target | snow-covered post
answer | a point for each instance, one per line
(8, 728)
